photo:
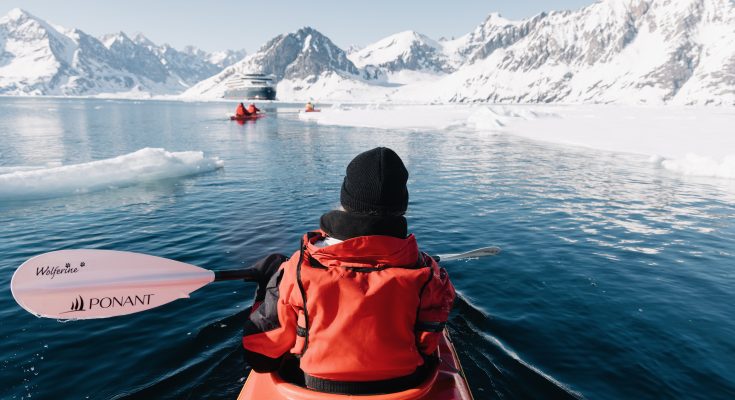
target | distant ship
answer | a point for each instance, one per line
(251, 87)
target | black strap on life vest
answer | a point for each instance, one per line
(368, 387)
(304, 331)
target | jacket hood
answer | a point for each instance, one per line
(365, 251)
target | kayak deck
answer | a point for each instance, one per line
(245, 117)
(446, 382)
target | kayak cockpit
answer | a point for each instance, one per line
(446, 381)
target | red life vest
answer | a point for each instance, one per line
(361, 310)
(252, 109)
(240, 112)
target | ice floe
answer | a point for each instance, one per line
(145, 165)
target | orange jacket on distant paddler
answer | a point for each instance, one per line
(240, 111)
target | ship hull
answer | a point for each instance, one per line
(255, 93)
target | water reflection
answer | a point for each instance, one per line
(32, 134)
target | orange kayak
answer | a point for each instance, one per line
(245, 117)
(446, 382)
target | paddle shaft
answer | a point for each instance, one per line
(251, 274)
(247, 274)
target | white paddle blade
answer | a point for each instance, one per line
(483, 252)
(88, 284)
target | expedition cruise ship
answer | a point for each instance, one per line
(250, 86)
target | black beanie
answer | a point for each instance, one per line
(375, 183)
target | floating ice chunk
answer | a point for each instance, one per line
(145, 165)
(696, 165)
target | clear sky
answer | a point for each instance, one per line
(228, 24)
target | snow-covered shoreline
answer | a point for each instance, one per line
(695, 141)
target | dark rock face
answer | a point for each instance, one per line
(299, 55)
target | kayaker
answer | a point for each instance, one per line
(358, 307)
(309, 107)
(241, 111)
(252, 109)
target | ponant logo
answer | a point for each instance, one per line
(76, 305)
(109, 302)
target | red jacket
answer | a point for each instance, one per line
(360, 310)
(240, 110)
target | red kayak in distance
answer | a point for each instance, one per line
(246, 117)
(312, 110)
(446, 382)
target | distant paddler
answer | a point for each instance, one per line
(241, 112)
(310, 108)
(252, 110)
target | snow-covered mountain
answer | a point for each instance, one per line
(407, 50)
(190, 66)
(353, 48)
(613, 51)
(623, 51)
(304, 56)
(38, 58)
(222, 59)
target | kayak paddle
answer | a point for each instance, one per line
(89, 284)
(481, 252)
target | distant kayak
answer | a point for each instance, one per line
(446, 382)
(246, 117)
(312, 110)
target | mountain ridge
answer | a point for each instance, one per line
(39, 58)
(612, 51)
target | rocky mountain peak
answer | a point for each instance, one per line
(306, 52)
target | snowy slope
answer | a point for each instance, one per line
(224, 58)
(407, 50)
(37, 58)
(621, 51)
(189, 66)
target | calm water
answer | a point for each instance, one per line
(616, 280)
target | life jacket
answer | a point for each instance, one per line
(361, 310)
(252, 109)
(240, 110)
(309, 107)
